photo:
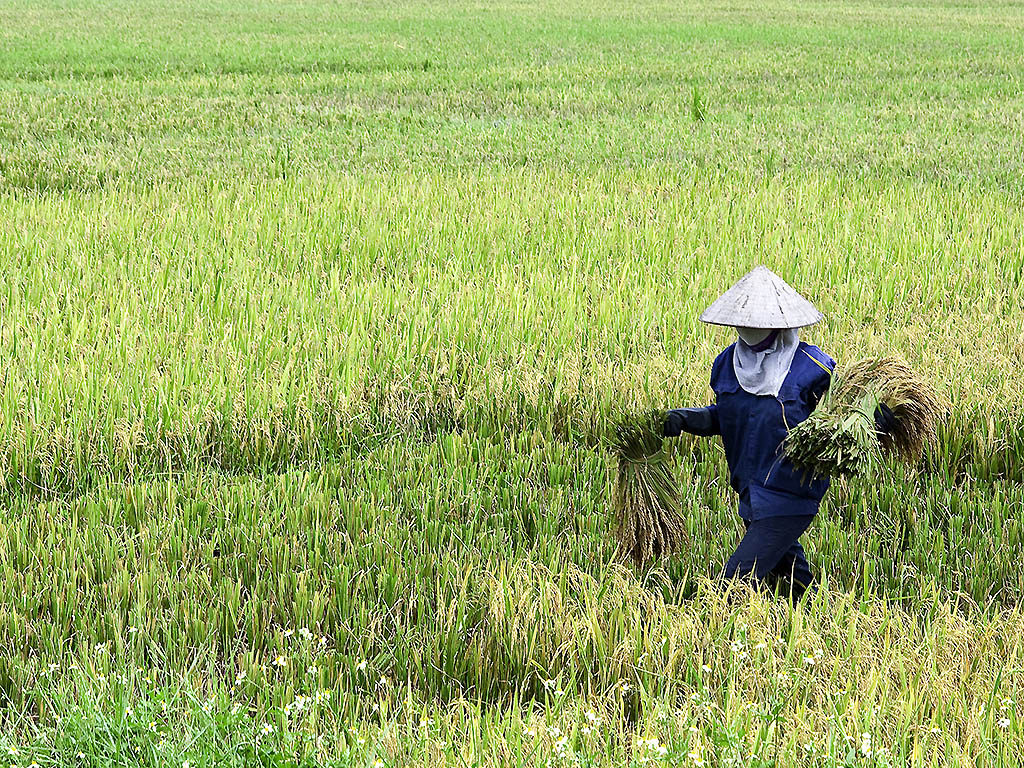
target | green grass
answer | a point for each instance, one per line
(316, 316)
(94, 94)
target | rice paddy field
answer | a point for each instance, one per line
(314, 316)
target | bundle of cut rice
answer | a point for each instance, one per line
(839, 438)
(648, 518)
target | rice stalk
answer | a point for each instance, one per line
(649, 523)
(839, 439)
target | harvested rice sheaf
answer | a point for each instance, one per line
(839, 438)
(648, 518)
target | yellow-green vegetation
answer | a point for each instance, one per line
(840, 438)
(649, 522)
(314, 318)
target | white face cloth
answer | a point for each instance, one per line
(762, 373)
(754, 336)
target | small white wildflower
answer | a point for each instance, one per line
(809, 661)
(313, 670)
(554, 731)
(267, 729)
(323, 641)
(240, 677)
(361, 666)
(305, 633)
(706, 668)
(761, 646)
(280, 661)
(289, 632)
(865, 744)
(559, 692)
(531, 732)
(1004, 723)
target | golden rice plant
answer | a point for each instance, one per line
(840, 439)
(649, 522)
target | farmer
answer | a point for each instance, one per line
(766, 382)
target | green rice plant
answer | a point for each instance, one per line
(303, 337)
(698, 107)
(649, 520)
(839, 438)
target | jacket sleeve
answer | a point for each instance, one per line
(818, 389)
(822, 379)
(696, 421)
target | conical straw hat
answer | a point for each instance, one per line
(762, 299)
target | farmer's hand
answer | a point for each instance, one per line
(696, 421)
(885, 419)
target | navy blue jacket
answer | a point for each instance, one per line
(753, 428)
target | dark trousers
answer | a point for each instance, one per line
(771, 550)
